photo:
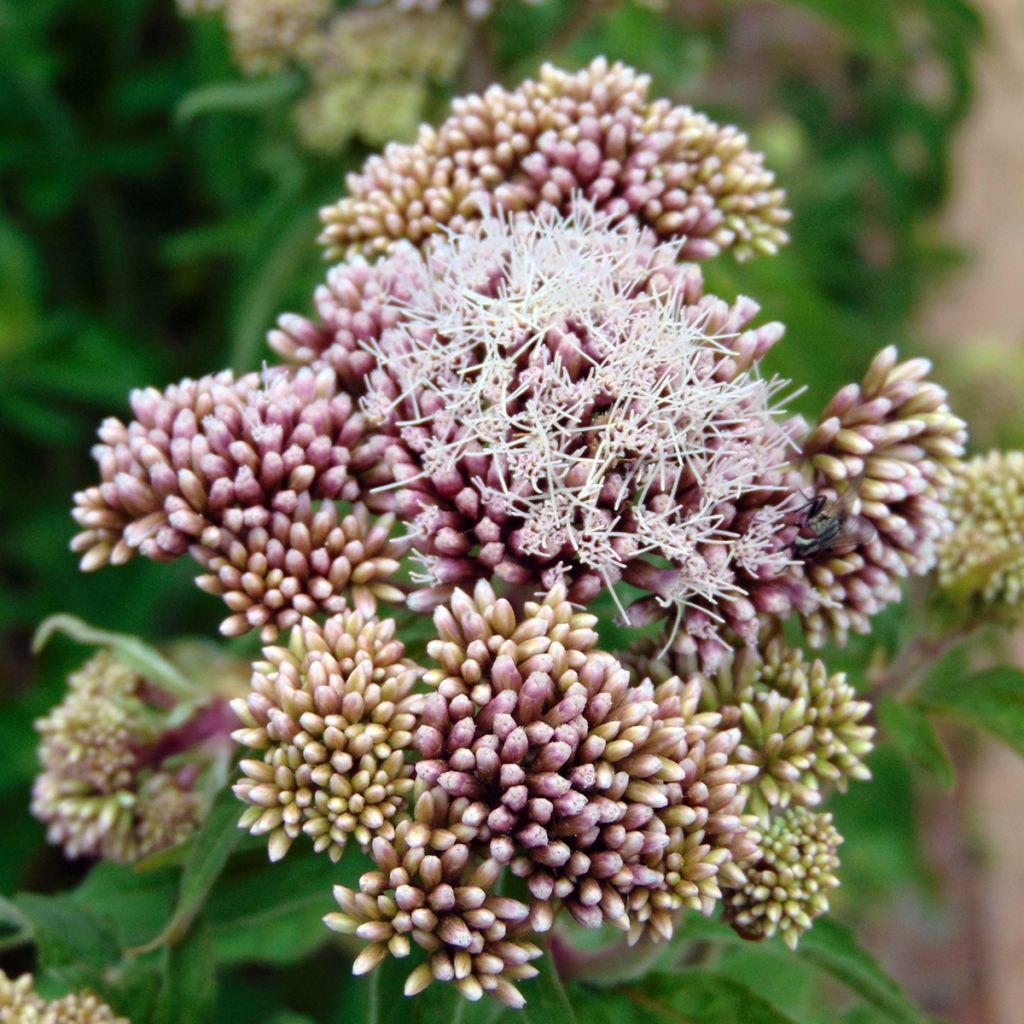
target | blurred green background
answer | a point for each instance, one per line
(159, 210)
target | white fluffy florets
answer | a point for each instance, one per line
(567, 393)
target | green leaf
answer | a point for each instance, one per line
(15, 929)
(130, 649)
(992, 700)
(695, 996)
(832, 948)
(138, 904)
(546, 1000)
(911, 732)
(188, 992)
(67, 934)
(246, 96)
(213, 844)
(272, 913)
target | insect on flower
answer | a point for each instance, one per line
(830, 526)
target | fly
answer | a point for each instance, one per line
(829, 526)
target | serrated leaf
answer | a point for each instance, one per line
(992, 700)
(833, 948)
(911, 732)
(216, 839)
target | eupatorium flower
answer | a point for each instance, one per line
(802, 727)
(266, 34)
(610, 799)
(981, 560)
(300, 563)
(786, 885)
(228, 468)
(110, 785)
(428, 889)
(332, 713)
(894, 441)
(370, 71)
(595, 133)
(20, 1004)
(568, 405)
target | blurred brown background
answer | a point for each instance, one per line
(968, 964)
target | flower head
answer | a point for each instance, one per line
(19, 1004)
(228, 469)
(568, 406)
(266, 34)
(981, 560)
(333, 714)
(370, 70)
(600, 794)
(893, 440)
(300, 563)
(803, 728)
(107, 788)
(786, 886)
(429, 889)
(595, 133)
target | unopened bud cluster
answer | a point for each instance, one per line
(981, 560)
(20, 1004)
(119, 780)
(532, 382)
(370, 69)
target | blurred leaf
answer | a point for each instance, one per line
(992, 700)
(139, 905)
(832, 947)
(546, 1000)
(911, 732)
(692, 996)
(217, 837)
(15, 929)
(66, 933)
(245, 96)
(188, 991)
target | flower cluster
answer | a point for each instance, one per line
(786, 887)
(228, 469)
(473, 9)
(110, 785)
(621, 803)
(594, 133)
(894, 444)
(19, 1004)
(371, 70)
(803, 728)
(332, 714)
(567, 404)
(533, 382)
(981, 561)
(429, 889)
(266, 34)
